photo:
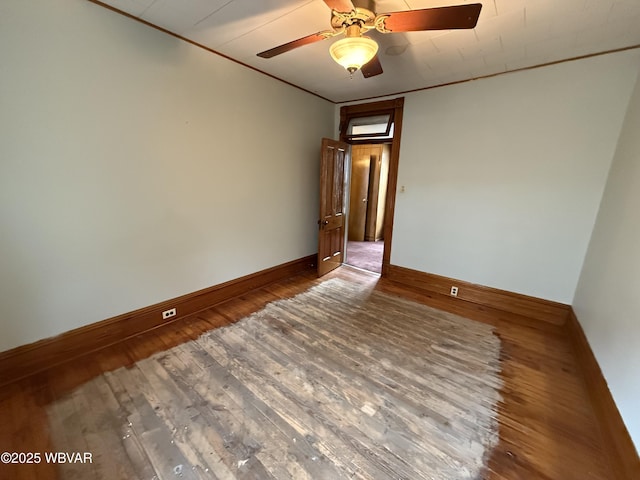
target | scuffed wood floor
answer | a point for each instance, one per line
(338, 382)
(545, 423)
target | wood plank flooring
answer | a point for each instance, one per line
(545, 423)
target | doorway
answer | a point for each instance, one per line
(380, 124)
(367, 199)
(360, 115)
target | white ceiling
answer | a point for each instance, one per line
(510, 35)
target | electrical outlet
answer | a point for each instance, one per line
(168, 313)
(454, 291)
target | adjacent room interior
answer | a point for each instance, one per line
(160, 308)
(367, 179)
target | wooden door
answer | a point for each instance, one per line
(331, 234)
(374, 193)
(360, 162)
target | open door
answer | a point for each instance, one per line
(331, 236)
(359, 194)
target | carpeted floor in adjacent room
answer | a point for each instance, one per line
(365, 255)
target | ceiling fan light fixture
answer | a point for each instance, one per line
(353, 52)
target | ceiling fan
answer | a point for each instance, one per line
(356, 51)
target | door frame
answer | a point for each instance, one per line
(396, 108)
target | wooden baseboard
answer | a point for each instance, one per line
(532, 307)
(625, 462)
(28, 359)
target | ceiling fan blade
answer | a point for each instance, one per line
(316, 37)
(440, 18)
(340, 5)
(372, 68)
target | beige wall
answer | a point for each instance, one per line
(504, 175)
(607, 301)
(135, 167)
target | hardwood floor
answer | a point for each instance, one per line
(546, 424)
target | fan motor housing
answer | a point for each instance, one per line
(360, 16)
